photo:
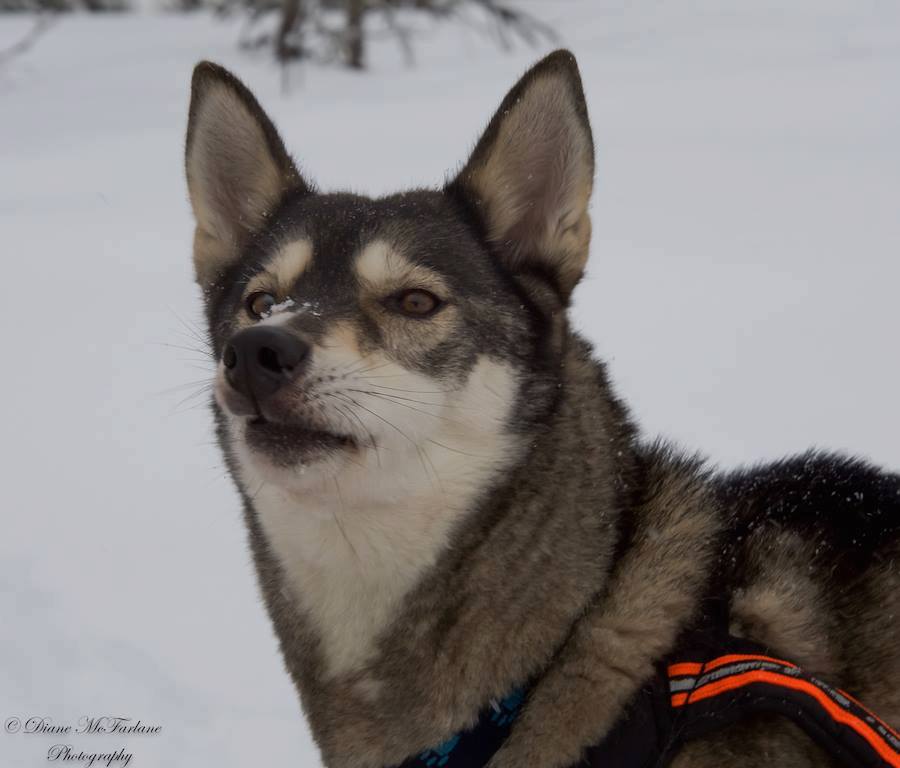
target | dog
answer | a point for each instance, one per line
(447, 503)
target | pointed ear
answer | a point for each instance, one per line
(530, 177)
(237, 168)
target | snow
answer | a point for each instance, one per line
(743, 286)
(282, 306)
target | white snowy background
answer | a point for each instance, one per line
(743, 285)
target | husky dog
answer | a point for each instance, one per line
(444, 497)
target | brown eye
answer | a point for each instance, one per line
(414, 303)
(260, 303)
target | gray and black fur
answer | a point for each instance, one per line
(473, 464)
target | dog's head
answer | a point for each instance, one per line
(350, 331)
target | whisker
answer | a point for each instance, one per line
(258, 491)
(377, 416)
(194, 331)
(410, 391)
(368, 433)
(207, 382)
(456, 450)
(337, 519)
(395, 427)
(395, 397)
(206, 352)
(343, 370)
(197, 365)
(190, 397)
(387, 398)
(423, 453)
(343, 413)
(385, 376)
(367, 370)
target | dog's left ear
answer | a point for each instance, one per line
(238, 170)
(530, 176)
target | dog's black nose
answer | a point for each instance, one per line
(259, 361)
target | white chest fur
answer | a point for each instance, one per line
(349, 564)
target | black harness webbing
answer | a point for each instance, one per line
(694, 694)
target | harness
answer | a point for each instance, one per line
(698, 691)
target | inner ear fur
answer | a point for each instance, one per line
(530, 177)
(238, 170)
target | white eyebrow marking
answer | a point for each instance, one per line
(382, 266)
(288, 264)
(378, 262)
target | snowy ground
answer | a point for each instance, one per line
(744, 283)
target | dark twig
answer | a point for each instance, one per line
(329, 31)
(43, 22)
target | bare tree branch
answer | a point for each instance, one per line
(403, 35)
(330, 31)
(293, 15)
(42, 23)
(354, 52)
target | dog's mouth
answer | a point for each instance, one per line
(288, 443)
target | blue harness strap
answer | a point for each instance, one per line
(695, 693)
(474, 747)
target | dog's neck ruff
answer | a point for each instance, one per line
(699, 691)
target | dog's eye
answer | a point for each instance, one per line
(414, 303)
(260, 303)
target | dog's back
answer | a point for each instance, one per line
(815, 577)
(817, 547)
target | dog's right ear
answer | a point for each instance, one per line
(237, 168)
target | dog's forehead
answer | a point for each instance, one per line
(338, 239)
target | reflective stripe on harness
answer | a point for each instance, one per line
(833, 718)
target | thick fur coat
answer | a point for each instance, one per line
(445, 499)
